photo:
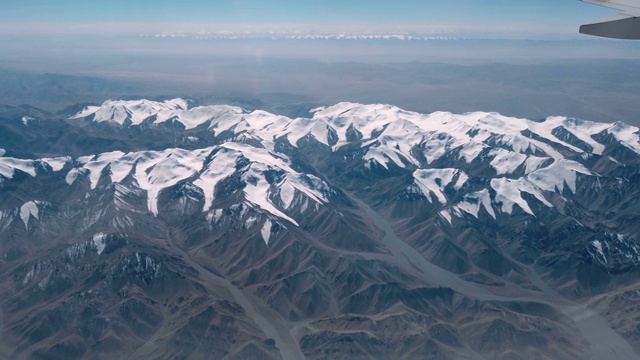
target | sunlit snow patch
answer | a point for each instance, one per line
(627, 135)
(473, 202)
(557, 176)
(509, 193)
(135, 111)
(27, 210)
(99, 242)
(57, 163)
(446, 215)
(8, 166)
(434, 181)
(221, 167)
(506, 162)
(266, 231)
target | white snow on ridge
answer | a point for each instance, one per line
(434, 181)
(397, 131)
(99, 242)
(383, 156)
(221, 166)
(257, 194)
(98, 164)
(154, 171)
(266, 231)
(367, 120)
(446, 214)
(87, 111)
(471, 151)
(534, 163)
(473, 202)
(627, 135)
(387, 135)
(440, 132)
(136, 111)
(57, 163)
(557, 176)
(287, 193)
(221, 117)
(309, 185)
(73, 174)
(509, 193)
(506, 162)
(165, 169)
(584, 130)
(27, 210)
(8, 166)
(545, 129)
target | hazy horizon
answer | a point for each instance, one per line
(522, 58)
(522, 19)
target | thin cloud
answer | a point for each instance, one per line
(505, 31)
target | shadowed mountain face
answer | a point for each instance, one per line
(160, 230)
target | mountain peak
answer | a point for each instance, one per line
(495, 160)
(373, 212)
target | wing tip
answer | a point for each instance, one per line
(627, 29)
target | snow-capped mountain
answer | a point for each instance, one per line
(302, 226)
(515, 158)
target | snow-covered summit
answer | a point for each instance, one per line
(383, 125)
(136, 112)
(155, 171)
(460, 162)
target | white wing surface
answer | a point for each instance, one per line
(625, 25)
(627, 7)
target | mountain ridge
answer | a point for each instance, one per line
(331, 225)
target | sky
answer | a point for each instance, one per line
(523, 16)
(158, 45)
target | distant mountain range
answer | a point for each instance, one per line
(163, 229)
(231, 35)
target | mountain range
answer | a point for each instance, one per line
(160, 229)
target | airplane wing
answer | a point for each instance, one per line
(625, 25)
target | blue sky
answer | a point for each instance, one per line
(120, 15)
